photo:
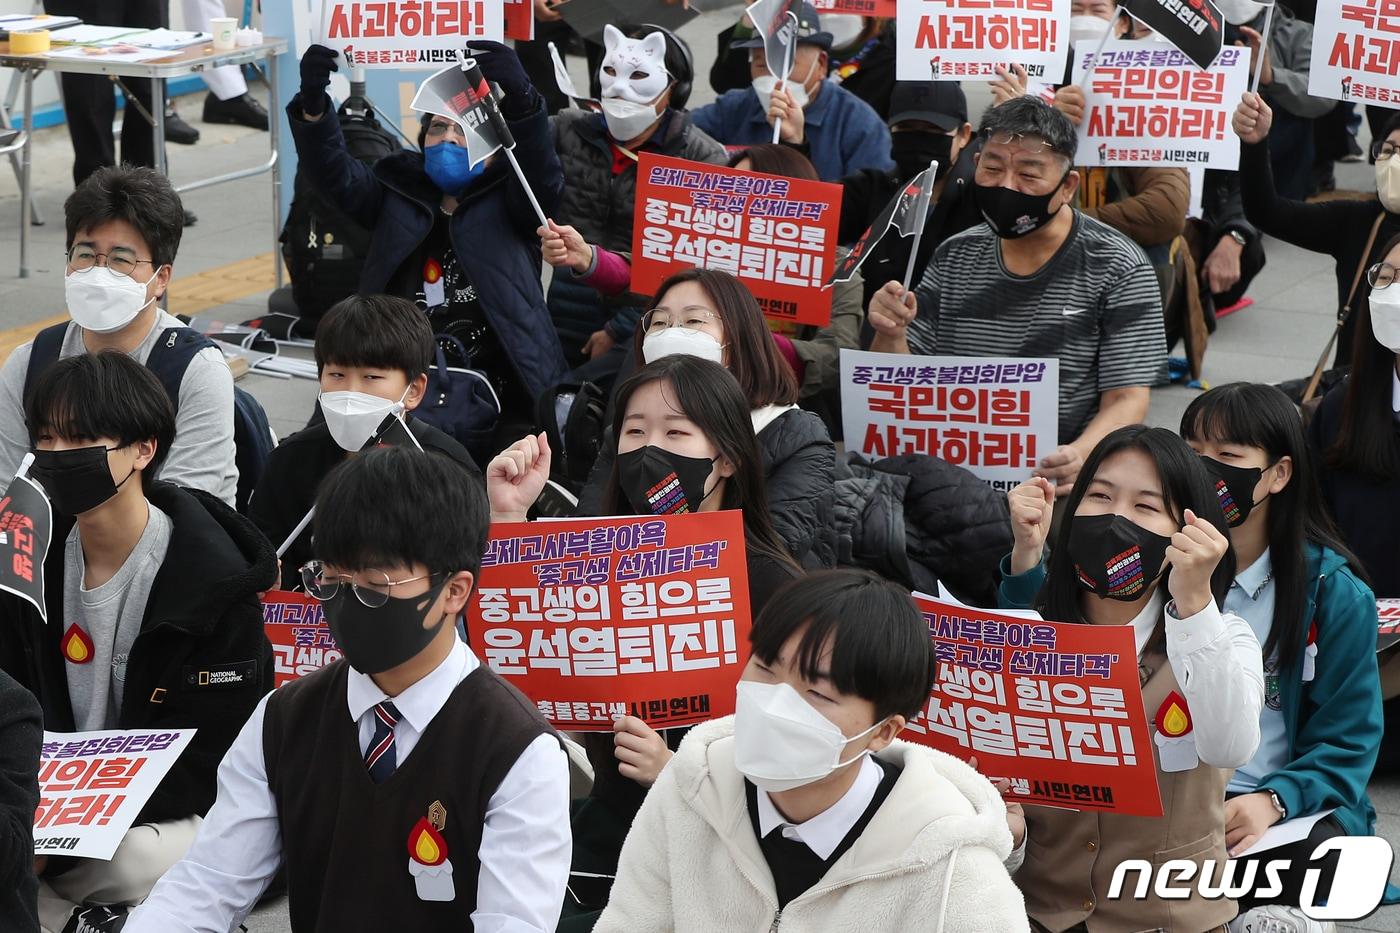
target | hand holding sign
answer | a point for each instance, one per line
(1252, 119)
(1061, 467)
(1009, 85)
(1069, 100)
(1193, 554)
(641, 751)
(317, 63)
(515, 478)
(1032, 505)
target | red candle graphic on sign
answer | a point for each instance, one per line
(76, 645)
(427, 857)
(1310, 654)
(1176, 741)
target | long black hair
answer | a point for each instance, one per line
(1367, 441)
(711, 398)
(1185, 485)
(1255, 415)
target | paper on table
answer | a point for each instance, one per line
(945, 596)
(169, 39)
(1282, 834)
(88, 33)
(20, 22)
(118, 53)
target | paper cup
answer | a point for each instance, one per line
(224, 29)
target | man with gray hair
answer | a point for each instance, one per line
(1038, 279)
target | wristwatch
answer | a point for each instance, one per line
(1238, 237)
(1278, 805)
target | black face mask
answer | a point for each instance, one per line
(1234, 487)
(913, 150)
(1114, 557)
(1013, 214)
(658, 482)
(376, 640)
(76, 480)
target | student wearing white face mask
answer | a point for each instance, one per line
(645, 77)
(802, 812)
(1352, 232)
(842, 133)
(123, 230)
(372, 359)
(711, 315)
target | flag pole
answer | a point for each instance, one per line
(789, 59)
(1108, 33)
(498, 123)
(296, 532)
(921, 209)
(24, 465)
(1263, 49)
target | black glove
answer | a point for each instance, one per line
(316, 66)
(500, 65)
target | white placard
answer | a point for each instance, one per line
(409, 35)
(1355, 46)
(965, 40)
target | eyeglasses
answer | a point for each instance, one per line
(1030, 145)
(1383, 149)
(691, 318)
(374, 592)
(1381, 275)
(442, 127)
(120, 261)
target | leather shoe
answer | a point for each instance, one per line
(243, 110)
(177, 130)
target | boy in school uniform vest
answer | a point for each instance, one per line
(406, 786)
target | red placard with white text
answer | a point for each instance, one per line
(407, 34)
(1356, 52)
(301, 641)
(92, 786)
(598, 618)
(776, 235)
(519, 19)
(951, 40)
(1056, 708)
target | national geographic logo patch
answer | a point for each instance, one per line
(223, 677)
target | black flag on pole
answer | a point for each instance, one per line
(900, 213)
(1193, 26)
(26, 526)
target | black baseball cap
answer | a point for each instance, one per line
(941, 103)
(809, 30)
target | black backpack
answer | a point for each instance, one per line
(323, 246)
(170, 357)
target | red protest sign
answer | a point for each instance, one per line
(593, 619)
(301, 642)
(1056, 708)
(777, 235)
(519, 19)
(1388, 623)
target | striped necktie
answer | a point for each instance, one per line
(380, 759)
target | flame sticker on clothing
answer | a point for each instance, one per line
(1173, 716)
(426, 845)
(76, 645)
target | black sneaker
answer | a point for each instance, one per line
(177, 130)
(96, 920)
(190, 218)
(243, 110)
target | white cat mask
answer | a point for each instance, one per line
(633, 69)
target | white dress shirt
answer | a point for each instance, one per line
(1218, 665)
(824, 832)
(525, 842)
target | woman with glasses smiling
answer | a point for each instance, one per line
(1350, 231)
(1356, 431)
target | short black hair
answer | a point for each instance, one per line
(138, 195)
(397, 506)
(880, 646)
(1030, 116)
(105, 394)
(376, 331)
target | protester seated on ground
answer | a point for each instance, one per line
(814, 353)
(862, 57)
(840, 132)
(1144, 493)
(1356, 439)
(711, 315)
(646, 79)
(372, 359)
(1301, 592)
(1283, 83)
(123, 229)
(1039, 279)
(686, 419)
(21, 737)
(433, 738)
(1353, 232)
(928, 120)
(1227, 248)
(804, 808)
(153, 585)
(458, 239)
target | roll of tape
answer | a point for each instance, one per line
(32, 42)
